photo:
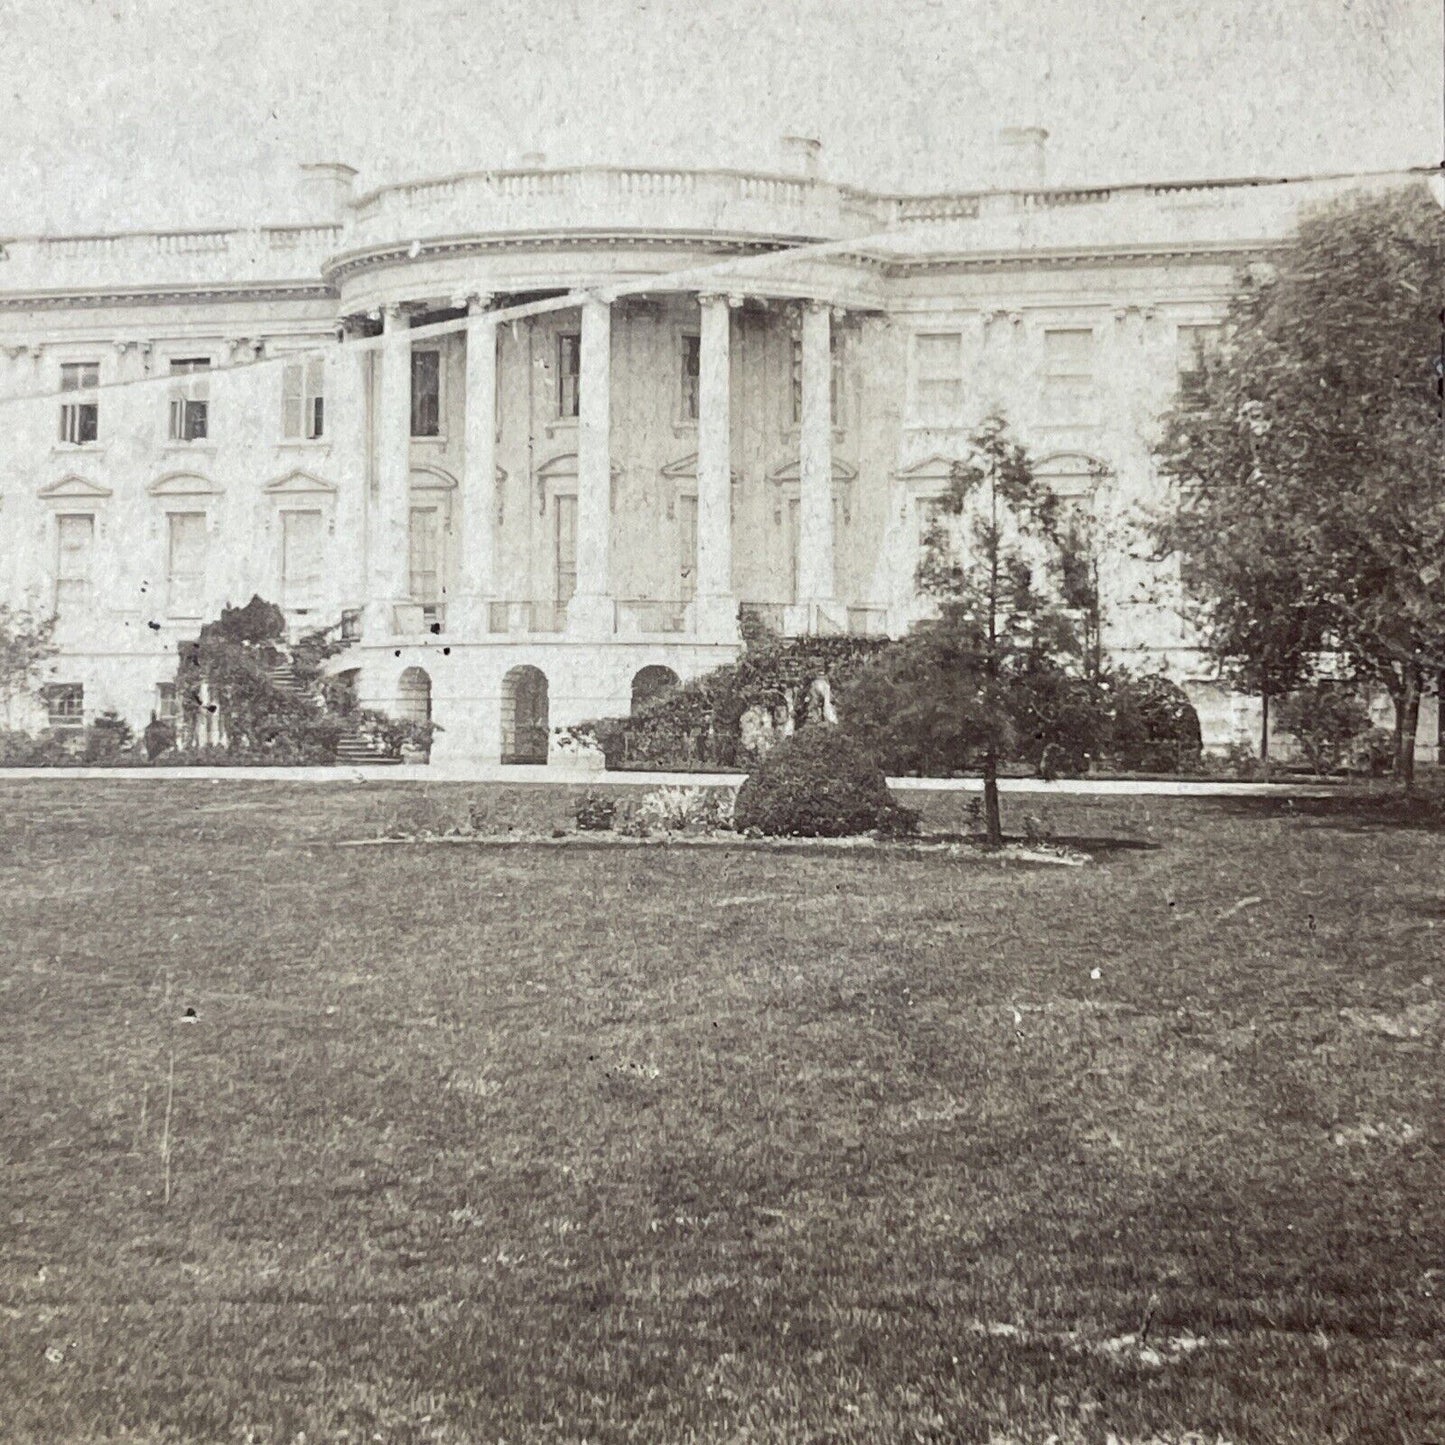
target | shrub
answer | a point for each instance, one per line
(595, 812)
(1242, 762)
(1060, 721)
(20, 750)
(1373, 752)
(159, 737)
(1155, 728)
(107, 738)
(391, 735)
(819, 783)
(1324, 719)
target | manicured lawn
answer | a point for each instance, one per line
(473, 1145)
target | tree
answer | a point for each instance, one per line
(1005, 657)
(1244, 594)
(1311, 476)
(26, 644)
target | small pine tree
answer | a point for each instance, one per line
(1008, 630)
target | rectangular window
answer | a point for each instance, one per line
(302, 403)
(933, 516)
(65, 704)
(569, 372)
(565, 544)
(1068, 374)
(75, 550)
(300, 558)
(691, 373)
(168, 704)
(687, 547)
(1198, 346)
(190, 399)
(185, 563)
(424, 551)
(935, 519)
(79, 420)
(938, 373)
(426, 393)
(798, 380)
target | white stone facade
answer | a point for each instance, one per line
(328, 413)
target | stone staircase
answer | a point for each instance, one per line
(352, 749)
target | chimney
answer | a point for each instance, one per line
(801, 155)
(533, 160)
(327, 186)
(1021, 153)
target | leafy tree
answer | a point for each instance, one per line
(1326, 720)
(26, 644)
(231, 671)
(1311, 496)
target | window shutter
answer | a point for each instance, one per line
(291, 399)
(315, 391)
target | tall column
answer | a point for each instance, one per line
(715, 609)
(815, 472)
(479, 470)
(348, 374)
(591, 610)
(387, 543)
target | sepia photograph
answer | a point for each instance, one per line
(721, 722)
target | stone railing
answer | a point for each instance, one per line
(418, 619)
(610, 198)
(526, 617)
(647, 616)
(137, 260)
(868, 621)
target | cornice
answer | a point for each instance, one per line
(351, 262)
(164, 296)
(1068, 259)
(885, 266)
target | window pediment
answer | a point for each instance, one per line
(1070, 474)
(933, 471)
(558, 477)
(565, 465)
(74, 488)
(184, 484)
(432, 479)
(684, 469)
(299, 483)
(790, 473)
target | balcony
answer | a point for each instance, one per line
(526, 618)
(647, 617)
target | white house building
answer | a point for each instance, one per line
(522, 523)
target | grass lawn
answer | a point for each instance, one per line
(469, 1145)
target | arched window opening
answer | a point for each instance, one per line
(649, 682)
(525, 726)
(414, 696)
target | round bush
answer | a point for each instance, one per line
(819, 783)
(1156, 729)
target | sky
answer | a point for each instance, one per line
(119, 114)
